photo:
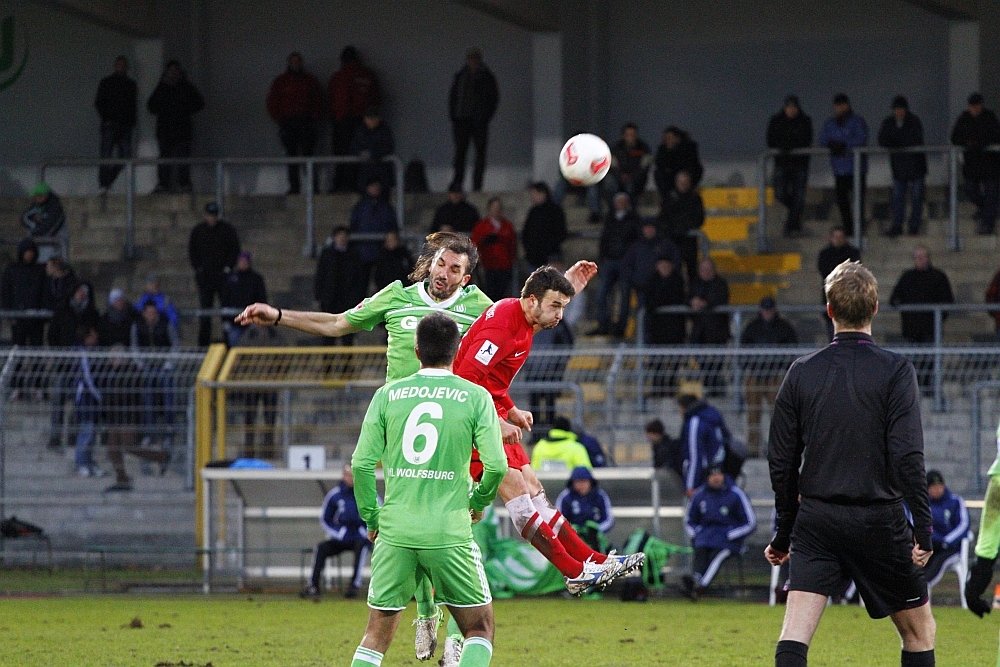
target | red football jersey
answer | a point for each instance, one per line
(494, 349)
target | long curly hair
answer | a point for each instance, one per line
(460, 244)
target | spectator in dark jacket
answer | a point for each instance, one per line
(337, 284)
(472, 101)
(639, 263)
(837, 251)
(60, 281)
(842, 132)
(75, 314)
(456, 214)
(46, 219)
(719, 518)
(394, 262)
(706, 292)
(351, 91)
(763, 377)
(152, 332)
(243, 286)
(664, 288)
(496, 241)
(152, 291)
(174, 102)
(371, 215)
(787, 130)
(60, 284)
(116, 101)
(295, 103)
(665, 451)
(22, 288)
(683, 213)
(373, 141)
(903, 129)
(587, 507)
(115, 325)
(975, 130)
(921, 284)
(544, 229)
(630, 160)
(621, 230)
(678, 152)
(212, 249)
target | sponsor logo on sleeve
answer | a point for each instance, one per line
(486, 352)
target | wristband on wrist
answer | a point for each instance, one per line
(279, 318)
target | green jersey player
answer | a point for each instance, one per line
(423, 428)
(987, 543)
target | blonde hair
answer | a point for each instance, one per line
(852, 292)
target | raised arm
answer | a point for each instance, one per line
(580, 274)
(311, 322)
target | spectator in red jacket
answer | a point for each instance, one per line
(295, 103)
(496, 240)
(351, 90)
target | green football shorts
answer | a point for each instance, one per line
(456, 573)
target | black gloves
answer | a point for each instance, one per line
(980, 575)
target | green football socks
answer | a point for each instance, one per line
(476, 652)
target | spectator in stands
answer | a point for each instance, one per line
(903, 129)
(120, 385)
(496, 240)
(394, 262)
(587, 507)
(664, 288)
(153, 332)
(116, 102)
(703, 440)
(174, 102)
(837, 251)
(456, 214)
(544, 229)
(243, 286)
(87, 403)
(115, 325)
(639, 263)
(719, 517)
(212, 250)
(975, 130)
(842, 132)
(472, 101)
(45, 220)
(951, 526)
(683, 214)
(372, 142)
(621, 230)
(993, 296)
(919, 285)
(337, 283)
(345, 531)
(678, 152)
(60, 281)
(560, 447)
(598, 457)
(22, 288)
(630, 160)
(768, 329)
(351, 90)
(705, 293)
(153, 292)
(372, 215)
(787, 130)
(547, 368)
(295, 103)
(73, 316)
(665, 451)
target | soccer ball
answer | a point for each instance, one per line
(585, 159)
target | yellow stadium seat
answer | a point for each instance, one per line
(733, 198)
(751, 293)
(728, 261)
(728, 228)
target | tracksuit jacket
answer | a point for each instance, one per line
(720, 518)
(340, 518)
(703, 439)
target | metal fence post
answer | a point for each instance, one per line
(762, 245)
(738, 397)
(130, 210)
(977, 479)
(220, 184)
(5, 374)
(954, 241)
(610, 404)
(856, 203)
(938, 366)
(309, 250)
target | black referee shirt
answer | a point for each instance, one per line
(846, 430)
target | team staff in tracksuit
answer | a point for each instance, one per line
(846, 449)
(345, 531)
(586, 506)
(951, 526)
(703, 440)
(718, 518)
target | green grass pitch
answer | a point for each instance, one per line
(266, 630)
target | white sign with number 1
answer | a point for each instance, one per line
(306, 457)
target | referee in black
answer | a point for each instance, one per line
(846, 449)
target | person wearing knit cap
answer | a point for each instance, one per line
(243, 286)
(788, 130)
(46, 219)
(903, 129)
(115, 325)
(975, 130)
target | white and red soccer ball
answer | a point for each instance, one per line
(585, 159)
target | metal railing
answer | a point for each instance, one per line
(952, 160)
(220, 165)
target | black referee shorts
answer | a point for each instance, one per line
(833, 544)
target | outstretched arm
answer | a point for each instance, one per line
(319, 324)
(580, 274)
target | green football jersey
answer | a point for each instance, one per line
(995, 468)
(401, 309)
(423, 429)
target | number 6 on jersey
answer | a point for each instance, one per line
(414, 428)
